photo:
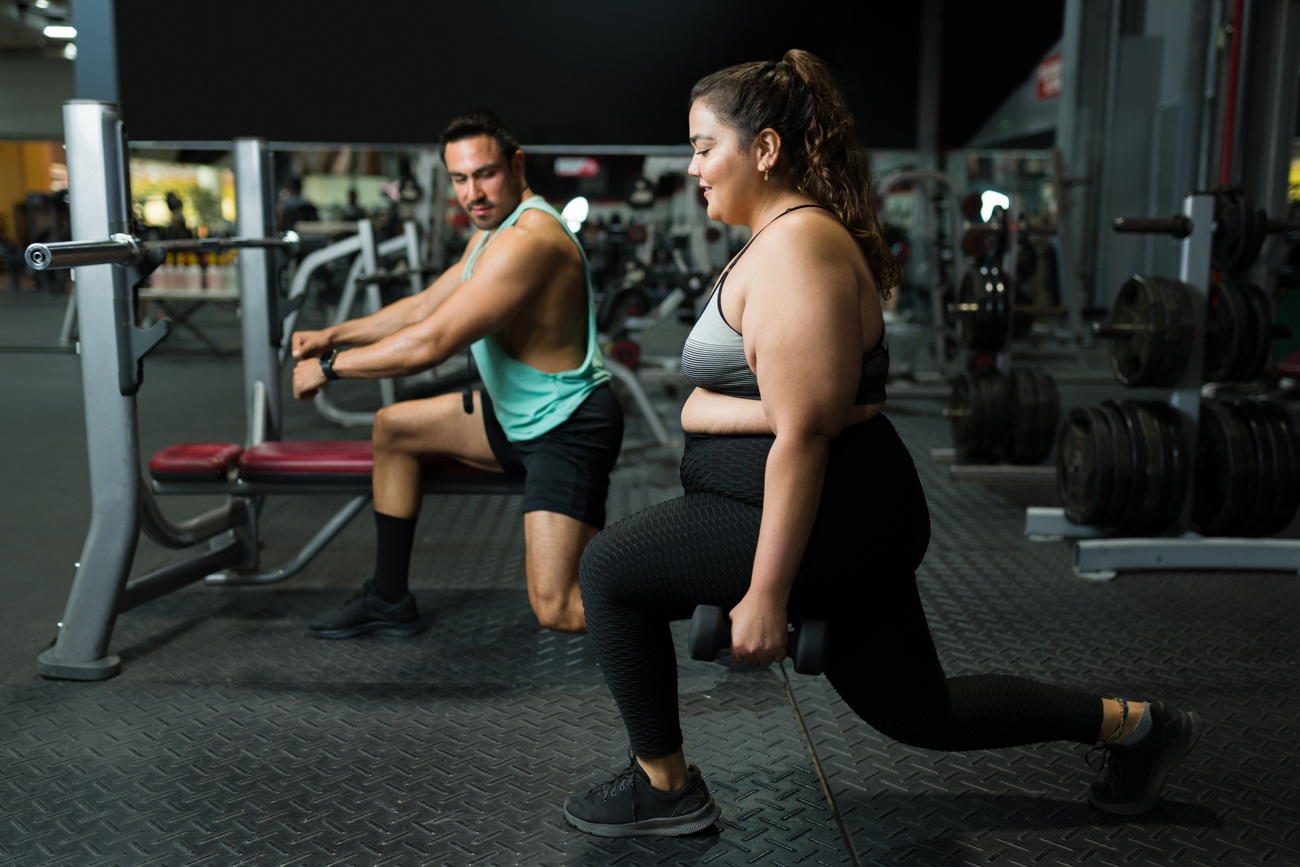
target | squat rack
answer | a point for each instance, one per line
(107, 268)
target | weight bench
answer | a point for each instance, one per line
(302, 467)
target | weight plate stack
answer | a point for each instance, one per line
(1288, 460)
(1226, 473)
(1120, 465)
(1035, 413)
(1177, 463)
(1123, 465)
(1252, 455)
(997, 417)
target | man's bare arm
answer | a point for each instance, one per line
(521, 263)
(388, 320)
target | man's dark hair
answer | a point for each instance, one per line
(475, 123)
(294, 185)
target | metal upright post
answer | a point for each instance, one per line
(255, 218)
(98, 192)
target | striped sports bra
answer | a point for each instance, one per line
(714, 354)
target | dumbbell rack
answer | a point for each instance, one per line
(1098, 554)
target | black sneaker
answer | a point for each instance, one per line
(365, 612)
(628, 806)
(1135, 774)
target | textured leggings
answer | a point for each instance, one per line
(857, 574)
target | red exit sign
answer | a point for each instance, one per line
(1049, 76)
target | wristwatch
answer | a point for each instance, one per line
(327, 364)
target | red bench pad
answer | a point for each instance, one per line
(195, 461)
(331, 459)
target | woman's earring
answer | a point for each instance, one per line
(764, 174)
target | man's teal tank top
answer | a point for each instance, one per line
(528, 401)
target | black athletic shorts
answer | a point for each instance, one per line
(566, 469)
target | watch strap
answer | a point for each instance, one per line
(327, 364)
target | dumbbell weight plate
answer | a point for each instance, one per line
(709, 626)
(810, 644)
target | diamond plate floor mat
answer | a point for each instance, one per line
(1222, 644)
(232, 738)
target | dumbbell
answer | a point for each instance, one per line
(711, 631)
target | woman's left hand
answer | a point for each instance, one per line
(758, 631)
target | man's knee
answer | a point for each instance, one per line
(387, 428)
(403, 428)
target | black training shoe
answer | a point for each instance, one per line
(628, 806)
(365, 612)
(1135, 774)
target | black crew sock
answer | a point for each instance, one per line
(393, 542)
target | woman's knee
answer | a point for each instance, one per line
(597, 566)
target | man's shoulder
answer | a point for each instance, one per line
(540, 219)
(536, 230)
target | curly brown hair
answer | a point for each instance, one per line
(799, 98)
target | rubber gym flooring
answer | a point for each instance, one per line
(230, 737)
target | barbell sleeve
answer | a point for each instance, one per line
(129, 250)
(1178, 226)
(117, 250)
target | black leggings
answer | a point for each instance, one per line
(857, 574)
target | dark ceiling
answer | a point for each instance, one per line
(567, 72)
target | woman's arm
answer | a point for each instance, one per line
(802, 327)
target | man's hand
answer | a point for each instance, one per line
(307, 376)
(308, 344)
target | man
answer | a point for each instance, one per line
(521, 299)
(294, 207)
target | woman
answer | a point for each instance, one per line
(800, 498)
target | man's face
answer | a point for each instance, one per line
(488, 186)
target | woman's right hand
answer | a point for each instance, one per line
(309, 344)
(758, 630)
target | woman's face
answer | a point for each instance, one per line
(727, 172)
